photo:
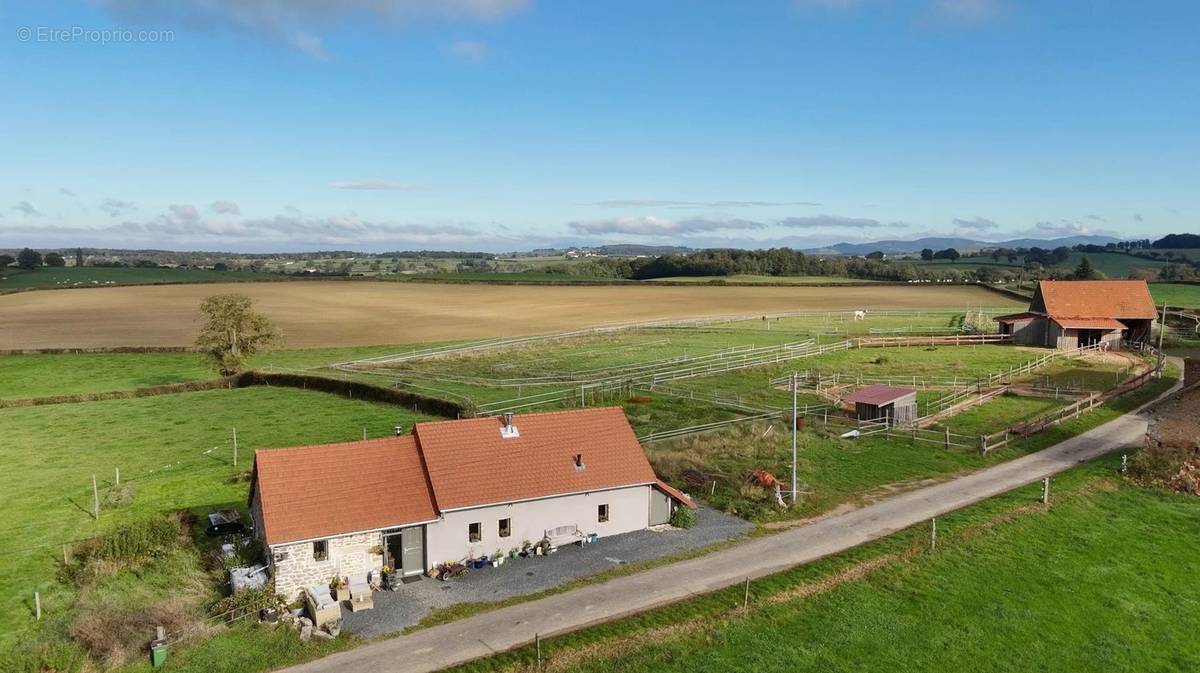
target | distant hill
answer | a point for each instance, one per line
(897, 247)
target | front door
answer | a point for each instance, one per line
(406, 550)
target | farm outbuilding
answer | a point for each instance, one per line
(1070, 314)
(897, 406)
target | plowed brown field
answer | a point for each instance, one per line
(332, 313)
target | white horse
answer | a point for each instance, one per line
(860, 314)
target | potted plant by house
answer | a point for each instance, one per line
(497, 558)
(340, 589)
(524, 553)
(391, 578)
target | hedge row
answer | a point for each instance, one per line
(110, 349)
(350, 389)
(354, 390)
(191, 386)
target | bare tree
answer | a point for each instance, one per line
(233, 331)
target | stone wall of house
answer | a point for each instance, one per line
(348, 555)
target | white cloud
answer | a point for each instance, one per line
(974, 226)
(1137, 217)
(299, 23)
(835, 222)
(26, 208)
(67, 192)
(184, 212)
(658, 226)
(182, 225)
(470, 51)
(116, 207)
(225, 208)
(378, 185)
(670, 203)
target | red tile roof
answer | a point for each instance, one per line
(470, 464)
(1118, 299)
(674, 493)
(877, 394)
(311, 492)
(1016, 317)
(1089, 323)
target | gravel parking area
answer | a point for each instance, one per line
(395, 610)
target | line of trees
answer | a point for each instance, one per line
(31, 260)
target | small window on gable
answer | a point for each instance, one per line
(321, 550)
(602, 513)
(474, 532)
(505, 527)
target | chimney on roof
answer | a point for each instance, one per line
(507, 429)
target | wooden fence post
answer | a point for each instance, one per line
(95, 499)
(1046, 491)
(37, 606)
(933, 534)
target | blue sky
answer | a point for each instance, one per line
(509, 124)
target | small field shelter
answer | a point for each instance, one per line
(897, 406)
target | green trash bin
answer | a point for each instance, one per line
(158, 653)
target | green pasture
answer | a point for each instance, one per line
(174, 451)
(751, 279)
(96, 276)
(1176, 294)
(834, 470)
(1102, 580)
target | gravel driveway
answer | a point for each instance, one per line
(395, 610)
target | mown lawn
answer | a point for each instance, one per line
(1102, 580)
(174, 451)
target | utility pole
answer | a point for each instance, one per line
(794, 421)
(1162, 328)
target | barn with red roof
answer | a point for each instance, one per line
(1075, 313)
